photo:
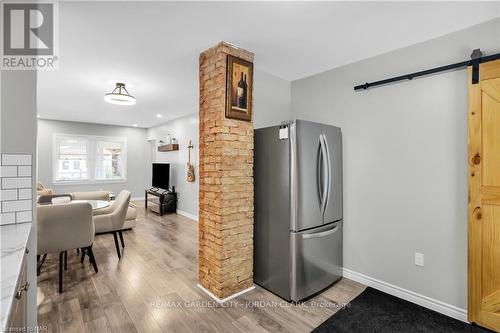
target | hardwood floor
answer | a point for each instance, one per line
(153, 289)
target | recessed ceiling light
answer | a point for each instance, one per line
(135, 125)
(159, 116)
(38, 116)
(120, 96)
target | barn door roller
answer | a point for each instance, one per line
(475, 56)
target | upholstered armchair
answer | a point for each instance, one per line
(63, 227)
(112, 218)
(131, 216)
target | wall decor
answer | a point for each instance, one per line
(190, 167)
(168, 147)
(239, 84)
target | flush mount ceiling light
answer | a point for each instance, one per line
(120, 96)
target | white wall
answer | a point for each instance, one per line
(271, 99)
(271, 106)
(18, 132)
(138, 156)
(18, 135)
(405, 161)
(183, 129)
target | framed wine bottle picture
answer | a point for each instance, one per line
(239, 84)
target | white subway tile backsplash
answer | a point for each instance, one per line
(6, 195)
(16, 159)
(15, 206)
(24, 171)
(22, 217)
(19, 182)
(24, 193)
(7, 218)
(9, 171)
(16, 188)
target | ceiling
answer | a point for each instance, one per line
(153, 47)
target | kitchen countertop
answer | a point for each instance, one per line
(13, 240)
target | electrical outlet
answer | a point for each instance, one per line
(419, 259)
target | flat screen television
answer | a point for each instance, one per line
(161, 175)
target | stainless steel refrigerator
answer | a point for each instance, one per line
(298, 208)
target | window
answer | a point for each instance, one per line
(89, 158)
(109, 160)
(71, 150)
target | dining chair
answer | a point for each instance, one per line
(111, 219)
(64, 227)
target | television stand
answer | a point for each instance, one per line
(160, 201)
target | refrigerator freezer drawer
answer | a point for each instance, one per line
(316, 259)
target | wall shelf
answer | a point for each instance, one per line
(169, 147)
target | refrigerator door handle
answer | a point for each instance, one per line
(329, 171)
(318, 173)
(293, 176)
(325, 176)
(322, 234)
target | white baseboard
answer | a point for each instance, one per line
(222, 300)
(137, 199)
(430, 303)
(186, 214)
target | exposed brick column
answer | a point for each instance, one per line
(226, 182)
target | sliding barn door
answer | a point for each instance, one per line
(484, 197)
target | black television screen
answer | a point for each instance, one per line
(161, 173)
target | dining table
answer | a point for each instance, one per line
(96, 204)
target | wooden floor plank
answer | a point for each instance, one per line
(245, 324)
(152, 288)
(98, 326)
(70, 317)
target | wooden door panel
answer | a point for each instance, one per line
(490, 317)
(484, 198)
(492, 88)
(490, 195)
(489, 70)
(490, 139)
(491, 303)
(491, 253)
